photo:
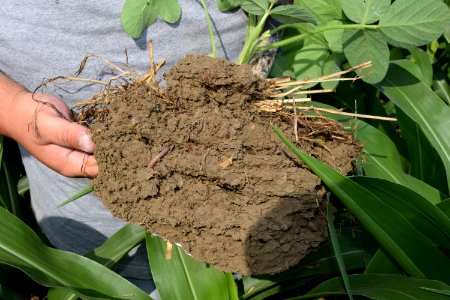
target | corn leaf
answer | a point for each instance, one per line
(21, 248)
(182, 277)
(422, 105)
(385, 286)
(392, 230)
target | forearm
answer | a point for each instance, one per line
(10, 92)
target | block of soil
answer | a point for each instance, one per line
(198, 164)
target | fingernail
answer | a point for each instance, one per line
(86, 143)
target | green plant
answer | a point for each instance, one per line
(401, 240)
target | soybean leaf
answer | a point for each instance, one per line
(409, 23)
(393, 231)
(334, 37)
(169, 10)
(21, 248)
(255, 7)
(382, 286)
(182, 277)
(422, 105)
(308, 62)
(227, 5)
(365, 11)
(292, 14)
(135, 15)
(422, 214)
(108, 254)
(322, 10)
(329, 67)
(367, 45)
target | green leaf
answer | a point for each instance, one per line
(322, 10)
(424, 62)
(382, 286)
(441, 86)
(82, 192)
(169, 10)
(382, 160)
(255, 7)
(108, 254)
(23, 186)
(381, 263)
(394, 232)
(444, 206)
(410, 23)
(337, 249)
(292, 14)
(330, 66)
(421, 213)
(365, 11)
(422, 105)
(367, 45)
(182, 277)
(334, 37)
(132, 17)
(21, 248)
(1, 150)
(308, 62)
(227, 5)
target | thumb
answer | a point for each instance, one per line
(61, 132)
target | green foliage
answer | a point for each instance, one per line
(21, 248)
(383, 287)
(365, 11)
(139, 14)
(181, 277)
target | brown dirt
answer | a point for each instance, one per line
(228, 191)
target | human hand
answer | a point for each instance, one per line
(43, 125)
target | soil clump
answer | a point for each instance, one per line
(227, 190)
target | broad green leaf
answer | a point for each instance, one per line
(21, 248)
(334, 37)
(422, 105)
(169, 10)
(108, 254)
(292, 14)
(132, 17)
(308, 62)
(182, 277)
(382, 286)
(82, 192)
(409, 23)
(393, 231)
(365, 11)
(227, 5)
(337, 249)
(367, 45)
(422, 214)
(322, 10)
(255, 7)
(329, 67)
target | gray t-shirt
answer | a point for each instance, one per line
(45, 39)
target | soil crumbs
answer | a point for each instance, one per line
(227, 190)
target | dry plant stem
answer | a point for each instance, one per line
(169, 247)
(294, 106)
(158, 156)
(337, 112)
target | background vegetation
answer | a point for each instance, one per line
(391, 237)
